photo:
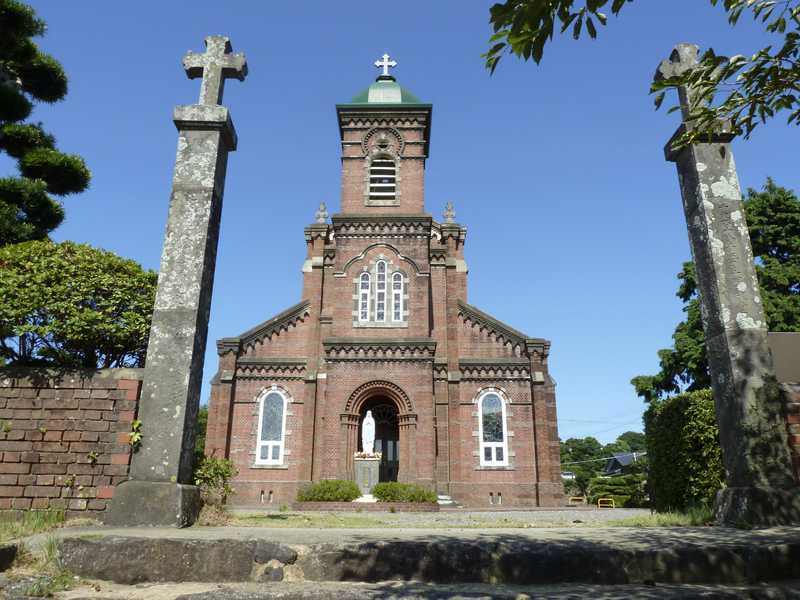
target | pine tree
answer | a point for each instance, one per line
(27, 209)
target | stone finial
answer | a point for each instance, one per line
(449, 213)
(215, 65)
(322, 213)
(682, 60)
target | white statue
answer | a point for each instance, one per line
(368, 433)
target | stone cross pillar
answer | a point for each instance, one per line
(159, 491)
(760, 488)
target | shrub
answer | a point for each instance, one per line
(330, 490)
(683, 450)
(392, 491)
(626, 490)
(213, 476)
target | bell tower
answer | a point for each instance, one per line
(385, 135)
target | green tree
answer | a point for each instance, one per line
(773, 219)
(200, 435)
(635, 440)
(756, 88)
(582, 457)
(73, 306)
(27, 209)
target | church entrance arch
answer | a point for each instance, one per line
(395, 430)
(387, 434)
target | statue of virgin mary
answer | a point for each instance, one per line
(368, 433)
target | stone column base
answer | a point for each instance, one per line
(153, 504)
(757, 507)
(367, 473)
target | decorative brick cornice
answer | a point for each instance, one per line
(494, 368)
(504, 333)
(281, 322)
(229, 344)
(453, 230)
(379, 349)
(440, 371)
(390, 247)
(270, 368)
(377, 225)
(315, 231)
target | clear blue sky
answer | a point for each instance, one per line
(575, 225)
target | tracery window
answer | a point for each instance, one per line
(492, 430)
(397, 297)
(271, 428)
(380, 291)
(363, 297)
(382, 179)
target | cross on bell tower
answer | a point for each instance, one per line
(215, 65)
(385, 63)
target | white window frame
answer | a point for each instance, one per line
(262, 398)
(398, 300)
(364, 296)
(493, 462)
(379, 290)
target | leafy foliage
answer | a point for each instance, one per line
(200, 427)
(683, 450)
(757, 87)
(213, 477)
(586, 457)
(773, 218)
(393, 491)
(329, 490)
(27, 212)
(74, 306)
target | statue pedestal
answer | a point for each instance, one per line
(367, 471)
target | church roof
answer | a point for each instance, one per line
(385, 91)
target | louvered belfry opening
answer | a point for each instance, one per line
(382, 179)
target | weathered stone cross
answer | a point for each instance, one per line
(215, 65)
(759, 485)
(682, 60)
(385, 63)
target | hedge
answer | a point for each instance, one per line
(683, 451)
(392, 491)
(330, 490)
(626, 490)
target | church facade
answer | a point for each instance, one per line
(462, 403)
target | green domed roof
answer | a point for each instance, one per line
(385, 90)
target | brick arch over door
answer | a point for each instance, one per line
(374, 388)
(349, 427)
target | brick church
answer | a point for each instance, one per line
(463, 403)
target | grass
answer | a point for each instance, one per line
(43, 569)
(15, 525)
(694, 517)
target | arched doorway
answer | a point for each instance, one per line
(387, 434)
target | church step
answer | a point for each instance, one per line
(592, 556)
(405, 590)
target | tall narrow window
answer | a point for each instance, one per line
(363, 297)
(380, 291)
(492, 430)
(271, 428)
(382, 179)
(397, 297)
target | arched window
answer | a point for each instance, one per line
(492, 429)
(363, 297)
(271, 428)
(397, 297)
(382, 179)
(380, 291)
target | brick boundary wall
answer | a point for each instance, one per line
(792, 404)
(64, 436)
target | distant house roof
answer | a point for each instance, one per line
(619, 461)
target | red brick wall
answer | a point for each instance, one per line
(792, 399)
(64, 437)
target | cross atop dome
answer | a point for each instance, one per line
(385, 63)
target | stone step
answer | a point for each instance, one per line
(639, 556)
(405, 590)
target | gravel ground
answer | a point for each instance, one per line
(467, 518)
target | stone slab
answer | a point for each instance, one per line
(515, 557)
(367, 473)
(153, 504)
